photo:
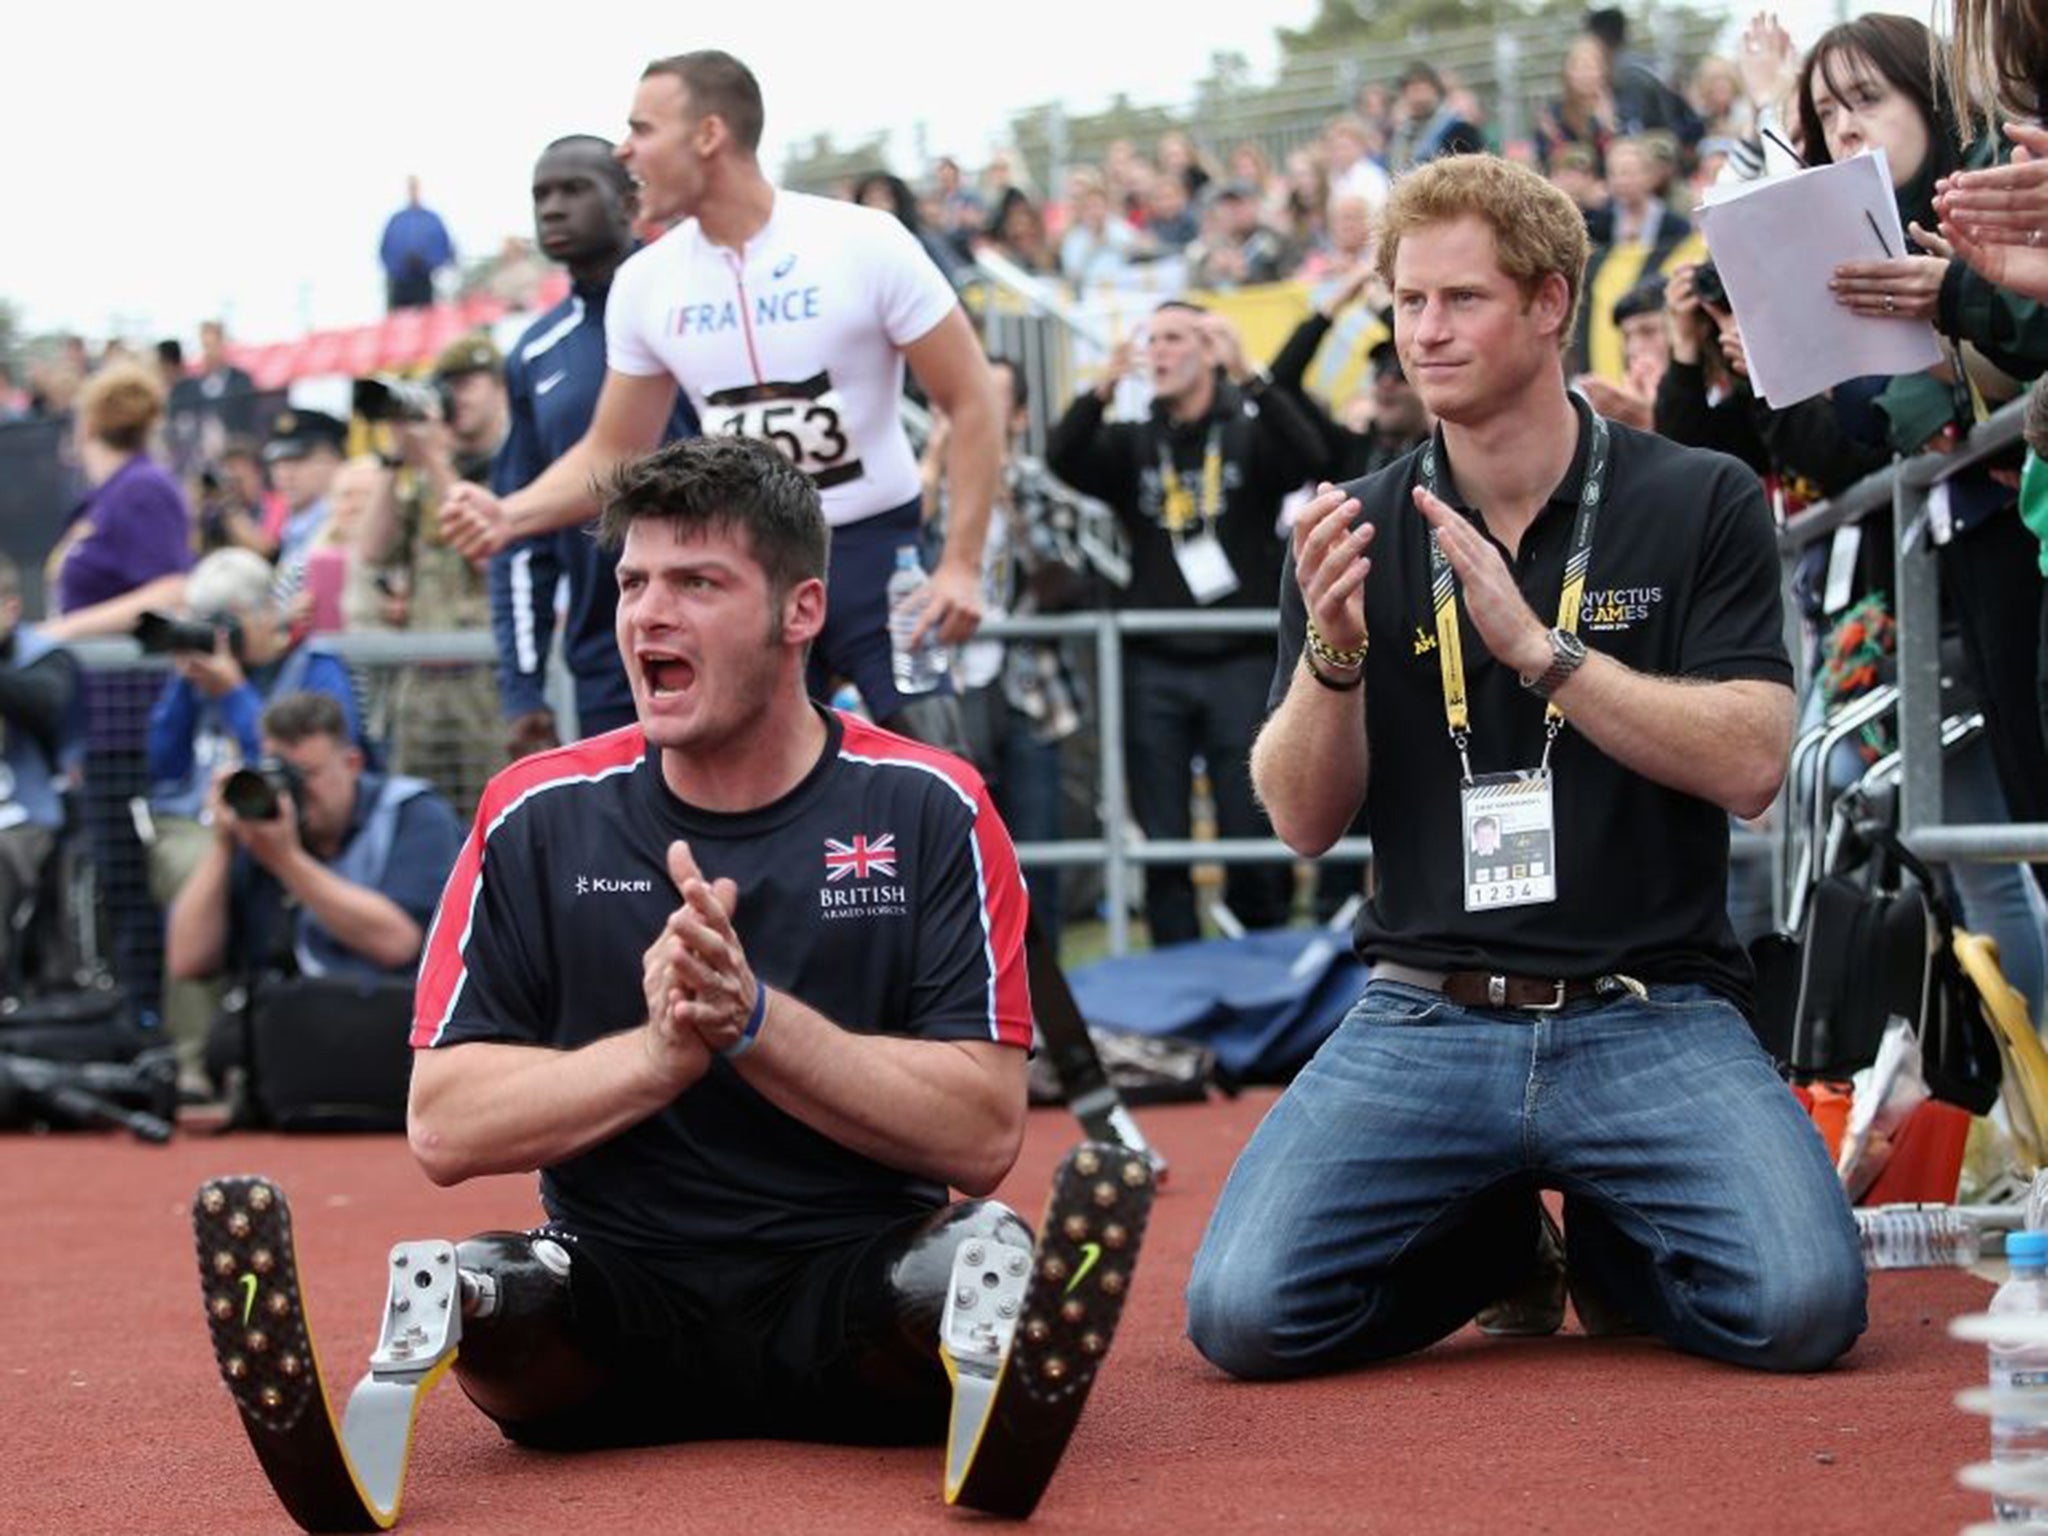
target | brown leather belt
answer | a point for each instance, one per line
(1484, 989)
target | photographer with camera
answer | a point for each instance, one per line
(444, 721)
(230, 656)
(315, 865)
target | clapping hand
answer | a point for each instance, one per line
(712, 987)
(1330, 566)
(1996, 219)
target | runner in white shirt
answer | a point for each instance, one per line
(785, 317)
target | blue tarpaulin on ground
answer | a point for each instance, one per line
(1263, 1003)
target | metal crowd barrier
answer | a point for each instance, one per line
(1121, 852)
(1905, 486)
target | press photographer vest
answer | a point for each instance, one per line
(363, 861)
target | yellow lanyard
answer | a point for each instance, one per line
(1178, 509)
(1443, 594)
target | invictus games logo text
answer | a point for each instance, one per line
(1618, 607)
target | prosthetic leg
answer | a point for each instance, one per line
(520, 1360)
(1025, 1331)
(1022, 1333)
(935, 720)
(330, 1478)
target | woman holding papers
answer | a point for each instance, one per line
(1869, 84)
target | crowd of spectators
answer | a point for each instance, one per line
(325, 524)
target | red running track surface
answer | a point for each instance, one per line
(113, 1419)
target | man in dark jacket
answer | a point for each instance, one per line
(583, 211)
(1197, 488)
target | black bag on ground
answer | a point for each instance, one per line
(93, 1023)
(1876, 944)
(319, 1053)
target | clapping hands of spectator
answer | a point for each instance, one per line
(1767, 61)
(1996, 219)
(1625, 403)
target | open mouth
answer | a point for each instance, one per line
(667, 676)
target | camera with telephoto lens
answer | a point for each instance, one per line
(161, 635)
(254, 792)
(1707, 286)
(387, 397)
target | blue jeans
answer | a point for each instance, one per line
(1385, 1198)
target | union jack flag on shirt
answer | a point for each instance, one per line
(860, 858)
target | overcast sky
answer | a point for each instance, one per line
(171, 162)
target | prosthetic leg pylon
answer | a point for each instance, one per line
(1025, 1332)
(345, 1477)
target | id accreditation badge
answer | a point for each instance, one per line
(1510, 840)
(1205, 568)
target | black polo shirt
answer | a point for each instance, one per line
(882, 891)
(1684, 583)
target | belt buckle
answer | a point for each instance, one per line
(1554, 1005)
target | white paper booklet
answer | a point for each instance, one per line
(1777, 242)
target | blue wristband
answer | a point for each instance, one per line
(752, 1032)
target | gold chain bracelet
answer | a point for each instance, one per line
(1329, 655)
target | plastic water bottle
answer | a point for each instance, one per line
(1916, 1237)
(914, 668)
(2021, 1368)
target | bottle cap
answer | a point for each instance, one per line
(2027, 1248)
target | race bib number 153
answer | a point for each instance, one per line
(805, 420)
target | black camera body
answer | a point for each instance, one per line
(1708, 287)
(254, 792)
(388, 397)
(161, 635)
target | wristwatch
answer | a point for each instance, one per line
(1567, 655)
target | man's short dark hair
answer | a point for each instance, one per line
(1609, 23)
(718, 83)
(295, 717)
(721, 483)
(1646, 298)
(1020, 387)
(1421, 70)
(620, 178)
